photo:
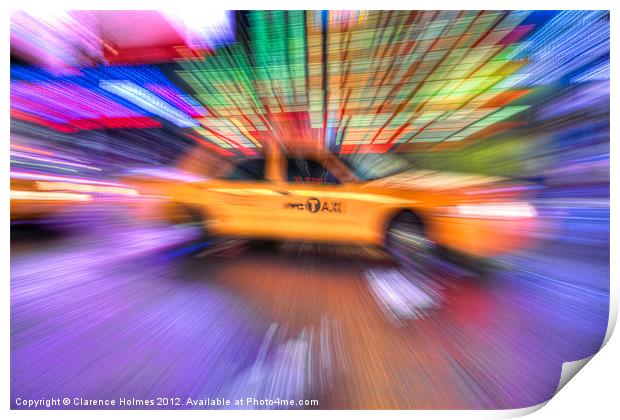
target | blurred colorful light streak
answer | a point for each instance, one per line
(366, 81)
(72, 103)
(203, 28)
(72, 106)
(61, 41)
(344, 76)
(61, 162)
(64, 41)
(567, 43)
(85, 188)
(48, 196)
(147, 101)
(46, 177)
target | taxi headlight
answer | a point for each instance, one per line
(497, 210)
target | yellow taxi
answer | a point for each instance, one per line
(43, 197)
(310, 195)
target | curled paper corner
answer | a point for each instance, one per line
(613, 317)
(519, 412)
(569, 370)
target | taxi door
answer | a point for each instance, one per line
(315, 202)
(245, 201)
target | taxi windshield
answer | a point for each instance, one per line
(374, 166)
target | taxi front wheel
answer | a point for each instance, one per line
(406, 240)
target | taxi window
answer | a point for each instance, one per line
(248, 170)
(309, 171)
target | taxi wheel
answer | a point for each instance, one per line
(187, 217)
(265, 245)
(406, 240)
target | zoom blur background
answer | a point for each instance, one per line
(107, 305)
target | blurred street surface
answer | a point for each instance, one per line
(109, 308)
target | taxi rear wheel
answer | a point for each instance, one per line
(406, 240)
(187, 218)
